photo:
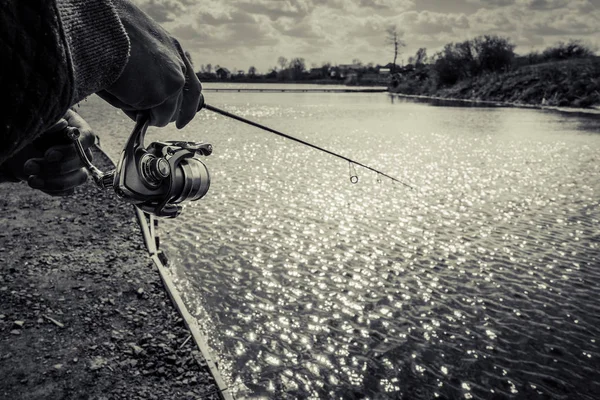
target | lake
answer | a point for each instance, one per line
(483, 282)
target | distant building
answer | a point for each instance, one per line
(350, 67)
(384, 71)
(223, 73)
(349, 70)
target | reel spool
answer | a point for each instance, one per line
(156, 178)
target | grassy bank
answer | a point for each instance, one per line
(568, 83)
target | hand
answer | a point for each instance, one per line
(51, 163)
(158, 76)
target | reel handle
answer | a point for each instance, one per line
(103, 180)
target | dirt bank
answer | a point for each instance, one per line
(83, 312)
(569, 83)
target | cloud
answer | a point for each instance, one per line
(296, 9)
(493, 3)
(256, 32)
(234, 17)
(162, 10)
(543, 4)
(386, 4)
(432, 23)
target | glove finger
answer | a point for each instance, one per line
(191, 92)
(32, 166)
(45, 169)
(58, 183)
(57, 127)
(87, 137)
(163, 114)
(69, 151)
(76, 121)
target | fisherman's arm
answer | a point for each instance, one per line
(86, 49)
(57, 52)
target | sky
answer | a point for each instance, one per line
(238, 34)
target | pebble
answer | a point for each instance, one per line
(19, 324)
(15, 332)
(136, 349)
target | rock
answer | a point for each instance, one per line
(97, 363)
(171, 359)
(57, 366)
(15, 332)
(136, 349)
(55, 322)
(19, 324)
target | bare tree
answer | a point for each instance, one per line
(252, 71)
(283, 62)
(394, 38)
(208, 68)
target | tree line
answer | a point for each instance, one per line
(455, 62)
(296, 69)
(484, 54)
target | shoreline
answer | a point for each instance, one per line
(554, 85)
(492, 103)
(83, 311)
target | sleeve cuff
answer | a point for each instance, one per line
(98, 44)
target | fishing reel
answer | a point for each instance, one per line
(156, 178)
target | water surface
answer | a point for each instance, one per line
(483, 283)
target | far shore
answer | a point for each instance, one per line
(553, 85)
(450, 101)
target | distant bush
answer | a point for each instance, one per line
(565, 51)
(489, 53)
(560, 51)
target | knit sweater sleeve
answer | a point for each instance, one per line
(55, 52)
(97, 42)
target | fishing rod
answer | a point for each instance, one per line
(353, 178)
(159, 177)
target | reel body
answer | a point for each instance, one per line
(156, 178)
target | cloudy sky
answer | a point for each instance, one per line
(241, 33)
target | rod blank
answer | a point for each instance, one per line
(278, 133)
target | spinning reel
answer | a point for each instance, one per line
(156, 178)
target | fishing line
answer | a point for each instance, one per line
(352, 171)
(353, 178)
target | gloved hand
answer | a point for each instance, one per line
(51, 163)
(158, 76)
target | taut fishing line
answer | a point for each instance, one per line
(353, 175)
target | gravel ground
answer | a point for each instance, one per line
(83, 312)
